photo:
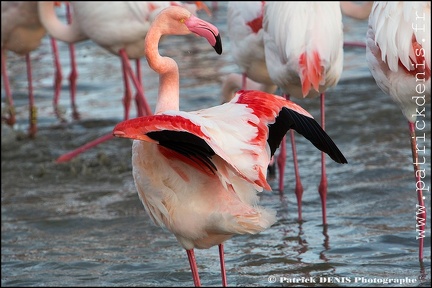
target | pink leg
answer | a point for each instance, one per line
(194, 268)
(140, 98)
(57, 80)
(281, 160)
(323, 184)
(421, 209)
(298, 186)
(73, 76)
(222, 264)
(127, 91)
(136, 82)
(12, 118)
(68, 156)
(32, 106)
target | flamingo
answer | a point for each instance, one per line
(197, 174)
(22, 33)
(120, 28)
(244, 27)
(398, 53)
(303, 45)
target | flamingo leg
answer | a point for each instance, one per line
(281, 160)
(32, 106)
(68, 156)
(322, 189)
(421, 210)
(127, 91)
(135, 80)
(140, 98)
(12, 118)
(222, 264)
(73, 76)
(57, 80)
(194, 268)
(298, 186)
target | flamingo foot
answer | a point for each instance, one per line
(59, 112)
(33, 122)
(11, 120)
(75, 114)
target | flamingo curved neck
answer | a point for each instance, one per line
(169, 83)
(57, 29)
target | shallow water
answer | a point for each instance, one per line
(81, 223)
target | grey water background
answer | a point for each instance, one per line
(81, 223)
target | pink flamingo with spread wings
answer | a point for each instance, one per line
(196, 173)
(304, 56)
(398, 53)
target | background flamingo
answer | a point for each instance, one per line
(304, 54)
(196, 173)
(244, 23)
(120, 28)
(22, 33)
(398, 54)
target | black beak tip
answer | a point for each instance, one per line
(218, 45)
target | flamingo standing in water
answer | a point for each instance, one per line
(22, 33)
(398, 53)
(196, 173)
(120, 28)
(304, 54)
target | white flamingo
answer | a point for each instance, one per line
(398, 53)
(304, 54)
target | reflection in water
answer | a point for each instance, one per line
(326, 244)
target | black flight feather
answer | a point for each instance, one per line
(186, 144)
(308, 128)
